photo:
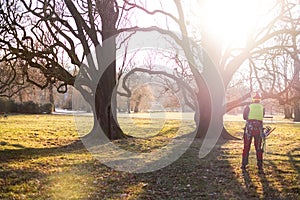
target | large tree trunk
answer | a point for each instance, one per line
(105, 101)
(210, 101)
(227, 136)
(203, 114)
(297, 112)
(288, 112)
(105, 104)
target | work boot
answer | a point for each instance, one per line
(259, 165)
(243, 167)
(244, 163)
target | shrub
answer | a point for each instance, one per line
(47, 108)
(30, 107)
(4, 105)
(13, 107)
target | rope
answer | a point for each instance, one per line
(264, 144)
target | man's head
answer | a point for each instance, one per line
(256, 98)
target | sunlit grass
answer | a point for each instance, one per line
(37, 131)
(142, 127)
(148, 138)
(280, 179)
(41, 158)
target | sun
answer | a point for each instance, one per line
(231, 21)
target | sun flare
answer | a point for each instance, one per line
(231, 21)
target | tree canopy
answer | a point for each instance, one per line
(52, 39)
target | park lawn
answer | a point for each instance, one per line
(41, 157)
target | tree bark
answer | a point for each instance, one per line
(105, 104)
(105, 101)
(288, 112)
(203, 114)
(297, 112)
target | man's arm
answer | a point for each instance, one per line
(246, 113)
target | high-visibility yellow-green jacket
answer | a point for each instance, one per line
(256, 112)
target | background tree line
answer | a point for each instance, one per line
(51, 39)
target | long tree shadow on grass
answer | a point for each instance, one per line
(187, 178)
(269, 192)
(279, 178)
(295, 159)
(26, 153)
(24, 171)
(15, 183)
(213, 177)
(285, 171)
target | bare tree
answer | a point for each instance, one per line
(76, 27)
(266, 46)
(141, 98)
(12, 78)
(275, 38)
(37, 32)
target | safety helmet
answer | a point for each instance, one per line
(256, 98)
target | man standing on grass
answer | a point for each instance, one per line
(253, 114)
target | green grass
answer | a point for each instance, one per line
(151, 134)
(42, 158)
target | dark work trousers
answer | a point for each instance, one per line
(253, 132)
